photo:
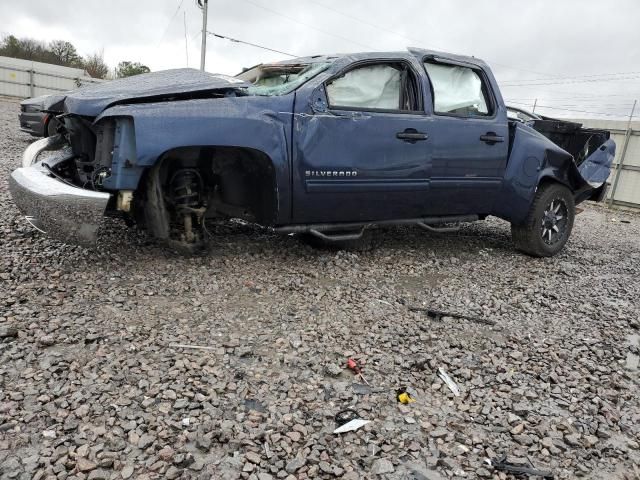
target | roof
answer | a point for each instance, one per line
(410, 51)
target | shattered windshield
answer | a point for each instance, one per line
(280, 79)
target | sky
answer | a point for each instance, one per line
(578, 58)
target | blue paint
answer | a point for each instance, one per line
(597, 166)
(369, 174)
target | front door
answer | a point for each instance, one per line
(366, 156)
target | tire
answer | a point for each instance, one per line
(51, 127)
(549, 222)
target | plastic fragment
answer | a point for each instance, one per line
(345, 416)
(450, 383)
(353, 366)
(405, 398)
(352, 426)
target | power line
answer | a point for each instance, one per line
(571, 82)
(613, 106)
(561, 90)
(411, 39)
(170, 22)
(573, 77)
(564, 96)
(610, 107)
(364, 22)
(308, 25)
(235, 40)
(571, 110)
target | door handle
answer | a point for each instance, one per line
(411, 135)
(491, 138)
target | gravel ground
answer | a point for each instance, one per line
(90, 386)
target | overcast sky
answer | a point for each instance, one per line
(538, 43)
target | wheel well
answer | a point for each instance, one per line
(550, 181)
(237, 182)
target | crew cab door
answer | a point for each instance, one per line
(469, 134)
(362, 154)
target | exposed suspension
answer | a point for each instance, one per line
(186, 191)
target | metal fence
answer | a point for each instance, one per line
(33, 81)
(624, 180)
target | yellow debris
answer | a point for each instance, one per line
(405, 398)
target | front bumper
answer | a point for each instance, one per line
(63, 211)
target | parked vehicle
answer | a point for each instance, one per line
(325, 145)
(34, 121)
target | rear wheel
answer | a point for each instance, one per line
(548, 225)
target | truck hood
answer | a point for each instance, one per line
(177, 83)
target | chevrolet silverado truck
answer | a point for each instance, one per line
(328, 146)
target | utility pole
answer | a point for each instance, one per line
(186, 43)
(619, 167)
(204, 4)
(535, 104)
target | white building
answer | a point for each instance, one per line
(24, 78)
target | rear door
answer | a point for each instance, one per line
(469, 135)
(364, 154)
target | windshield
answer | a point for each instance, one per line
(279, 79)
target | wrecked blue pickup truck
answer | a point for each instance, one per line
(328, 146)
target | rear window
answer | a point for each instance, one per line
(280, 79)
(457, 90)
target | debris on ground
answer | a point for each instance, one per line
(349, 421)
(556, 363)
(352, 426)
(345, 416)
(404, 397)
(439, 314)
(444, 376)
(503, 465)
(192, 347)
(355, 368)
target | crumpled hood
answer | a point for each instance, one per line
(155, 86)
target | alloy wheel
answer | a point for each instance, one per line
(555, 220)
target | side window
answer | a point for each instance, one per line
(386, 86)
(458, 90)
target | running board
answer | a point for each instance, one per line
(426, 226)
(323, 230)
(338, 237)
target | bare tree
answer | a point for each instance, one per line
(95, 66)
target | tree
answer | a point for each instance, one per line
(58, 52)
(127, 69)
(24, 48)
(10, 47)
(65, 53)
(95, 66)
